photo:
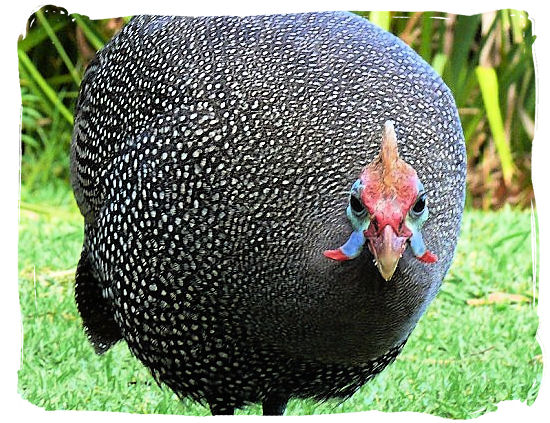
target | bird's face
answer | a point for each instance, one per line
(387, 208)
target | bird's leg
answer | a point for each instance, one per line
(218, 409)
(274, 405)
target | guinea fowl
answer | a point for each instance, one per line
(255, 194)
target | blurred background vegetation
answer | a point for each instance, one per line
(485, 59)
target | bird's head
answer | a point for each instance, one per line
(387, 208)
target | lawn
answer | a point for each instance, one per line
(473, 348)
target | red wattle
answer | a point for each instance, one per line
(428, 257)
(337, 255)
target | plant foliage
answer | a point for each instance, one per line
(485, 59)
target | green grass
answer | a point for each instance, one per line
(460, 361)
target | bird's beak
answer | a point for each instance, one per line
(387, 249)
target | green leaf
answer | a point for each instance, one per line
(30, 112)
(46, 89)
(36, 36)
(426, 37)
(519, 23)
(471, 126)
(27, 139)
(57, 44)
(382, 19)
(27, 82)
(465, 30)
(89, 32)
(439, 62)
(488, 83)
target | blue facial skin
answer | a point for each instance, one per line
(360, 222)
(414, 222)
(353, 246)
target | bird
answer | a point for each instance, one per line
(270, 203)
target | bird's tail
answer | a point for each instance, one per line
(94, 307)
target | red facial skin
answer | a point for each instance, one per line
(428, 257)
(389, 190)
(337, 255)
(388, 204)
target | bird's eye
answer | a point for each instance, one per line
(356, 205)
(420, 205)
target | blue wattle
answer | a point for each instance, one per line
(353, 246)
(417, 244)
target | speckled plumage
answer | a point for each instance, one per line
(212, 160)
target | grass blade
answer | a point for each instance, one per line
(519, 22)
(30, 141)
(91, 36)
(46, 89)
(488, 83)
(439, 62)
(57, 44)
(27, 82)
(382, 19)
(426, 37)
(37, 35)
(466, 28)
